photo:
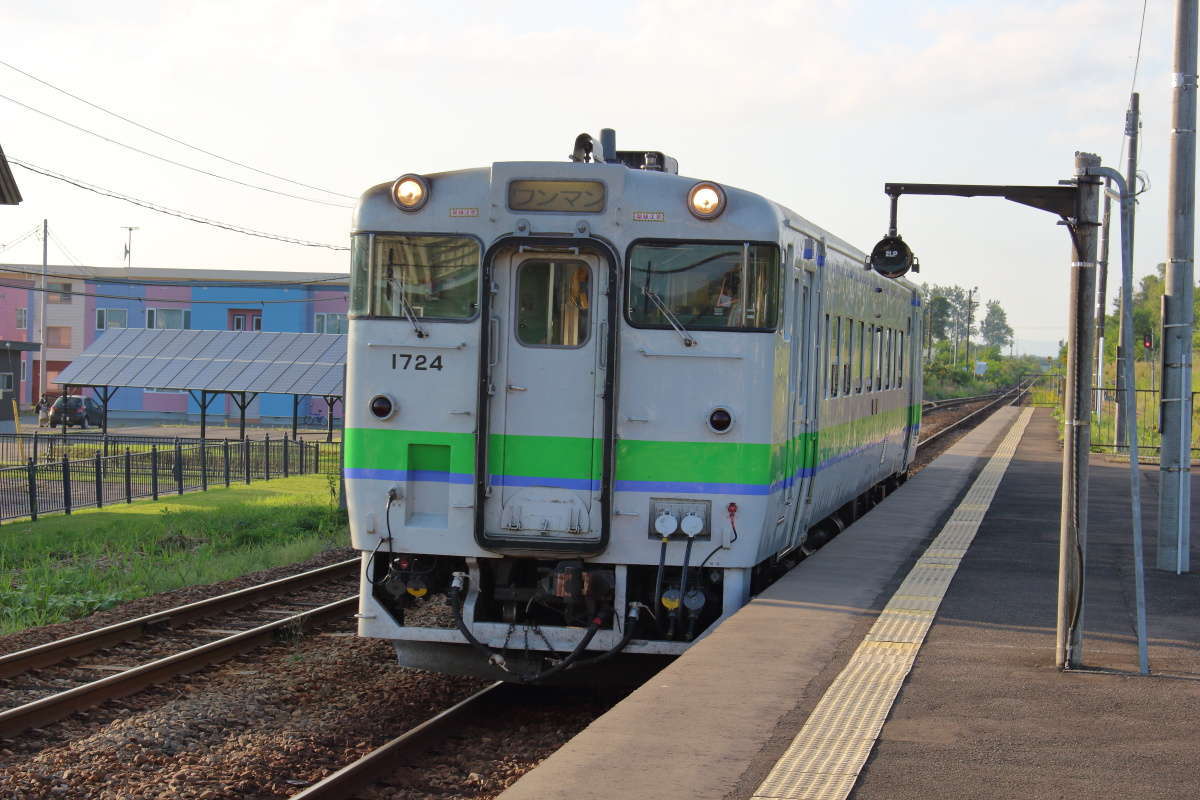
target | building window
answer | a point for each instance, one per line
(58, 292)
(111, 318)
(58, 336)
(169, 318)
(6, 382)
(256, 322)
(239, 322)
(22, 319)
(24, 370)
(329, 323)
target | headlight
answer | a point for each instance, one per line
(410, 192)
(706, 200)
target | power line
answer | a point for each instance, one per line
(172, 138)
(1137, 58)
(173, 282)
(170, 211)
(31, 232)
(148, 154)
(158, 300)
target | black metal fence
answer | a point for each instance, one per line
(1048, 390)
(61, 478)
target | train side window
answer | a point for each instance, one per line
(553, 303)
(835, 363)
(879, 358)
(847, 352)
(858, 361)
(823, 366)
(870, 357)
(890, 361)
(899, 358)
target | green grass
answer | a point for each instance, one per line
(64, 567)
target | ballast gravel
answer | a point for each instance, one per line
(271, 722)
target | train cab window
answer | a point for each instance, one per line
(433, 277)
(553, 303)
(726, 287)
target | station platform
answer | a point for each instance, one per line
(913, 657)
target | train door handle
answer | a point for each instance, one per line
(493, 341)
(512, 388)
(603, 344)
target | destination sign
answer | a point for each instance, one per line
(580, 197)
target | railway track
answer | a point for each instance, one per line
(360, 774)
(997, 399)
(29, 664)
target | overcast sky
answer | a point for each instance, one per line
(813, 104)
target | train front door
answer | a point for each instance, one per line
(545, 448)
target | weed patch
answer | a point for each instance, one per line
(61, 568)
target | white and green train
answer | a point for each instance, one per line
(597, 405)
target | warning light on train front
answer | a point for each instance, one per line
(706, 200)
(382, 406)
(410, 192)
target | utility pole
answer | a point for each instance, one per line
(1174, 498)
(970, 318)
(1133, 124)
(1101, 292)
(1077, 434)
(129, 245)
(42, 307)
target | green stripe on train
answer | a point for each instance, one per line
(637, 460)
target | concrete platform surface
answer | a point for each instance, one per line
(711, 724)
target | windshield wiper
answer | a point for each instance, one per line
(688, 341)
(408, 309)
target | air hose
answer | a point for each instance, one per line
(459, 582)
(658, 577)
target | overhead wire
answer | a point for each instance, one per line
(31, 232)
(171, 161)
(170, 138)
(169, 211)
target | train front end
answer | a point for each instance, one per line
(560, 410)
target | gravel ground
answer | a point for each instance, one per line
(273, 721)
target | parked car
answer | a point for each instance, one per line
(74, 410)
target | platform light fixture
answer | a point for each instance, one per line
(410, 192)
(706, 200)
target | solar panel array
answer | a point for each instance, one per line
(215, 361)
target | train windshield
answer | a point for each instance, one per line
(704, 286)
(433, 277)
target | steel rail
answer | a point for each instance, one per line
(44, 655)
(950, 402)
(354, 777)
(59, 706)
(1016, 390)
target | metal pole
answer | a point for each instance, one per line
(1127, 383)
(1068, 651)
(1101, 299)
(42, 308)
(1174, 498)
(1133, 124)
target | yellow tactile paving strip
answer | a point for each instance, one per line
(823, 761)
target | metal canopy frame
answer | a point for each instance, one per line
(205, 364)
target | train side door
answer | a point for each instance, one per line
(799, 398)
(546, 423)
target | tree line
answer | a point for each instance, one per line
(965, 338)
